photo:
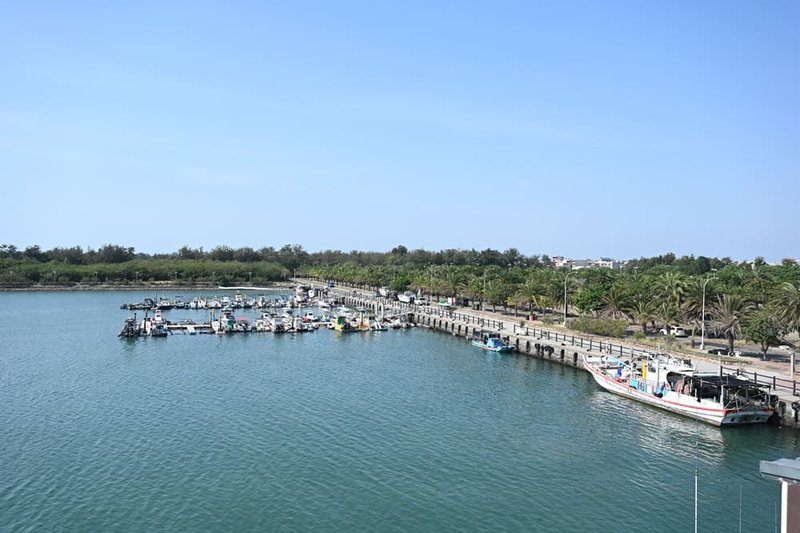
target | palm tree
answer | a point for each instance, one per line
(671, 287)
(668, 313)
(528, 293)
(451, 283)
(545, 302)
(760, 280)
(474, 288)
(420, 282)
(643, 311)
(495, 293)
(727, 317)
(615, 303)
(788, 305)
(693, 301)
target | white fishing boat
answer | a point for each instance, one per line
(378, 325)
(227, 321)
(406, 297)
(263, 322)
(155, 326)
(278, 325)
(674, 385)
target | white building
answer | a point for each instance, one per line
(577, 264)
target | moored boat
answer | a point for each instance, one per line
(131, 328)
(406, 297)
(715, 398)
(490, 341)
(155, 326)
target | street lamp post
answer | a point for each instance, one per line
(483, 295)
(251, 277)
(565, 297)
(703, 312)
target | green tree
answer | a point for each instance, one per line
(528, 293)
(671, 287)
(765, 329)
(616, 303)
(728, 315)
(643, 312)
(668, 314)
(788, 305)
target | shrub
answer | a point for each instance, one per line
(598, 326)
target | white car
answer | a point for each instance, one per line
(675, 331)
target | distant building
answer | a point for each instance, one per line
(577, 264)
(607, 262)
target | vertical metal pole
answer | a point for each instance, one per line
(703, 319)
(565, 299)
(695, 498)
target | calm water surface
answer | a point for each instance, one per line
(394, 431)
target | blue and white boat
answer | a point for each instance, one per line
(490, 341)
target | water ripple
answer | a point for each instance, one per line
(407, 430)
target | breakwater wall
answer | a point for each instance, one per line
(557, 347)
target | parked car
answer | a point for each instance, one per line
(675, 331)
(725, 351)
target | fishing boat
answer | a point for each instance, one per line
(226, 322)
(378, 325)
(406, 297)
(131, 328)
(490, 341)
(155, 326)
(278, 325)
(674, 385)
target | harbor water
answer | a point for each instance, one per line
(403, 430)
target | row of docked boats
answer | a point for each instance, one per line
(340, 319)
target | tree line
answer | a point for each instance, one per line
(294, 256)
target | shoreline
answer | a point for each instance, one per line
(110, 287)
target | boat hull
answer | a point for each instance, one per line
(501, 349)
(707, 411)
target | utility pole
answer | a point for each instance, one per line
(703, 312)
(565, 297)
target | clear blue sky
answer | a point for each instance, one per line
(582, 129)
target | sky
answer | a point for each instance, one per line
(621, 129)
